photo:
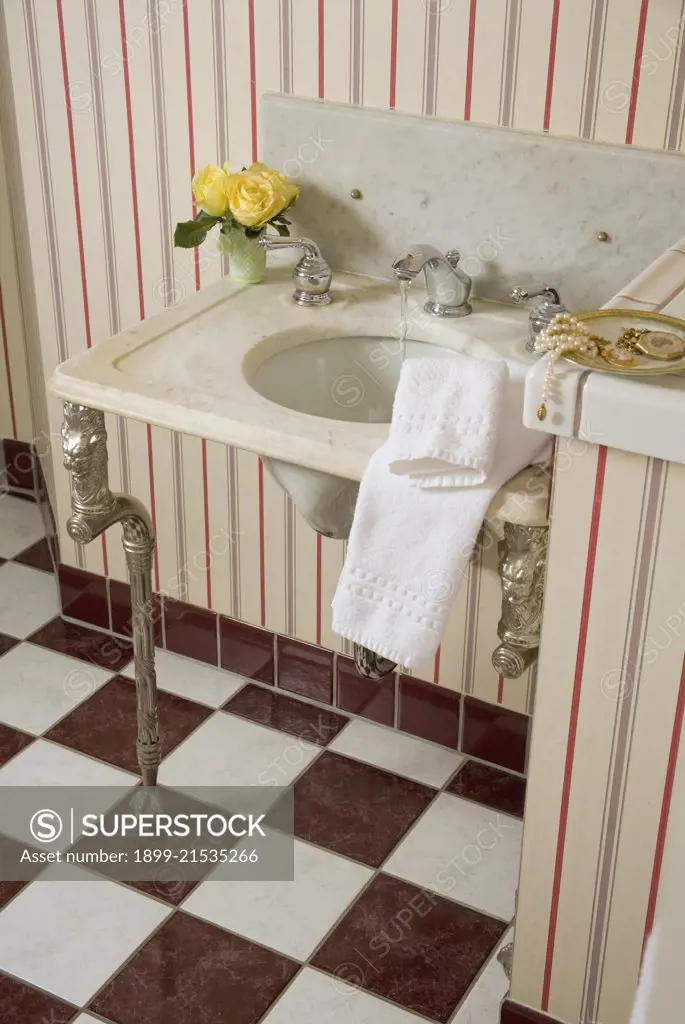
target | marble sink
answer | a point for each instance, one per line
(309, 390)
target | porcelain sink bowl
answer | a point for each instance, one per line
(349, 378)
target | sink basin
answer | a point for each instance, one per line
(352, 378)
(348, 378)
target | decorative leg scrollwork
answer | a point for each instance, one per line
(522, 562)
(94, 509)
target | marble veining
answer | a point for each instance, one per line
(517, 205)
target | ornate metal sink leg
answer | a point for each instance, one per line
(94, 509)
(522, 561)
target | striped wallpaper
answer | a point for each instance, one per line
(117, 101)
(607, 734)
(16, 415)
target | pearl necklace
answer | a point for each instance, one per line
(564, 334)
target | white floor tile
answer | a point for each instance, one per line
(85, 1018)
(405, 755)
(188, 678)
(68, 937)
(482, 1005)
(39, 686)
(463, 851)
(21, 525)
(28, 599)
(315, 998)
(291, 917)
(49, 764)
(230, 751)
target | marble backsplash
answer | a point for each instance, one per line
(522, 209)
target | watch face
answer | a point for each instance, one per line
(662, 345)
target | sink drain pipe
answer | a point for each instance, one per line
(371, 665)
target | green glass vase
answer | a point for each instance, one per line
(246, 259)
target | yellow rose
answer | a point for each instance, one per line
(257, 195)
(209, 189)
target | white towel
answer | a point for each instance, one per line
(409, 546)
(445, 419)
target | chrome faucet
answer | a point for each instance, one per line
(447, 285)
(312, 276)
(542, 314)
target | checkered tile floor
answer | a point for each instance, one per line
(406, 856)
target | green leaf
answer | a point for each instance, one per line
(190, 233)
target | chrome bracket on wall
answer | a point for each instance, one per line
(94, 509)
(371, 665)
(522, 563)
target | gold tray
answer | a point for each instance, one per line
(611, 323)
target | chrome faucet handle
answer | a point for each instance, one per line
(541, 315)
(312, 276)
(452, 256)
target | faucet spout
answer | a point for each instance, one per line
(447, 285)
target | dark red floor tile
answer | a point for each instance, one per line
(37, 556)
(514, 1013)
(104, 726)
(370, 698)
(191, 971)
(11, 742)
(79, 641)
(305, 669)
(495, 734)
(84, 596)
(429, 711)
(191, 631)
(122, 616)
(247, 650)
(410, 946)
(287, 714)
(22, 1004)
(497, 789)
(7, 643)
(356, 809)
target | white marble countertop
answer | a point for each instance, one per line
(188, 368)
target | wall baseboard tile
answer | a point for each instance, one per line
(487, 732)
(513, 1013)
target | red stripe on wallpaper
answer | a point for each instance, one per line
(74, 172)
(635, 84)
(322, 55)
(554, 32)
(500, 689)
(262, 561)
(191, 130)
(436, 667)
(573, 722)
(253, 78)
(8, 370)
(471, 45)
(393, 54)
(319, 560)
(665, 807)
(132, 159)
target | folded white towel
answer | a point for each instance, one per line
(409, 546)
(445, 419)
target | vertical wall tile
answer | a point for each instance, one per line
(190, 631)
(429, 711)
(305, 670)
(246, 650)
